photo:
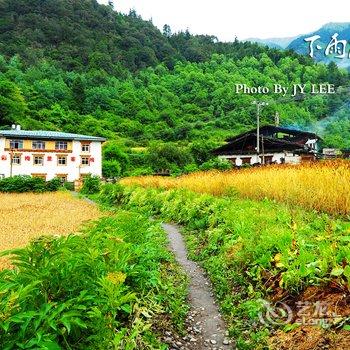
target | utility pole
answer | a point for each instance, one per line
(258, 109)
(277, 119)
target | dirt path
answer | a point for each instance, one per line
(205, 326)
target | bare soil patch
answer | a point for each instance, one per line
(331, 304)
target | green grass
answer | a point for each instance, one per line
(245, 244)
(115, 286)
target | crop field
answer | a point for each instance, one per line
(323, 186)
(24, 217)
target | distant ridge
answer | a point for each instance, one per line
(276, 43)
(325, 32)
(299, 45)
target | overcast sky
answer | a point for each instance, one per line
(242, 18)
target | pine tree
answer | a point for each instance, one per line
(167, 30)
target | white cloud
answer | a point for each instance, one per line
(242, 18)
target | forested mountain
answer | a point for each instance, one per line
(82, 35)
(77, 66)
(79, 35)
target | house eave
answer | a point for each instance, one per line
(43, 135)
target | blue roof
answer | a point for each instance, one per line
(48, 135)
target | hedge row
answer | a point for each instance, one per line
(23, 183)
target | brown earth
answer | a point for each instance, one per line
(310, 338)
(328, 305)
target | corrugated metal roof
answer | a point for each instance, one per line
(48, 135)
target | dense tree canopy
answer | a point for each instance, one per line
(77, 66)
(190, 102)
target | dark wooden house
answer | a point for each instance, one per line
(276, 145)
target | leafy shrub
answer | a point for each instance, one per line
(112, 194)
(24, 183)
(103, 289)
(53, 185)
(91, 185)
(251, 247)
(69, 186)
(216, 163)
(140, 171)
(190, 168)
(115, 160)
(168, 156)
(111, 168)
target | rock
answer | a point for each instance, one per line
(226, 341)
(213, 341)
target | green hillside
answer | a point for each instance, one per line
(82, 35)
(77, 66)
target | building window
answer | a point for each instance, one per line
(63, 177)
(16, 159)
(232, 160)
(38, 144)
(38, 160)
(61, 160)
(16, 144)
(246, 160)
(61, 145)
(85, 147)
(40, 176)
(85, 160)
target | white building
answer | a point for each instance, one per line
(49, 154)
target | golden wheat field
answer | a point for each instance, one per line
(323, 186)
(26, 216)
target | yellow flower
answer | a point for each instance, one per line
(116, 277)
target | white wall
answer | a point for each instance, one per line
(3, 164)
(289, 158)
(73, 168)
(95, 168)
